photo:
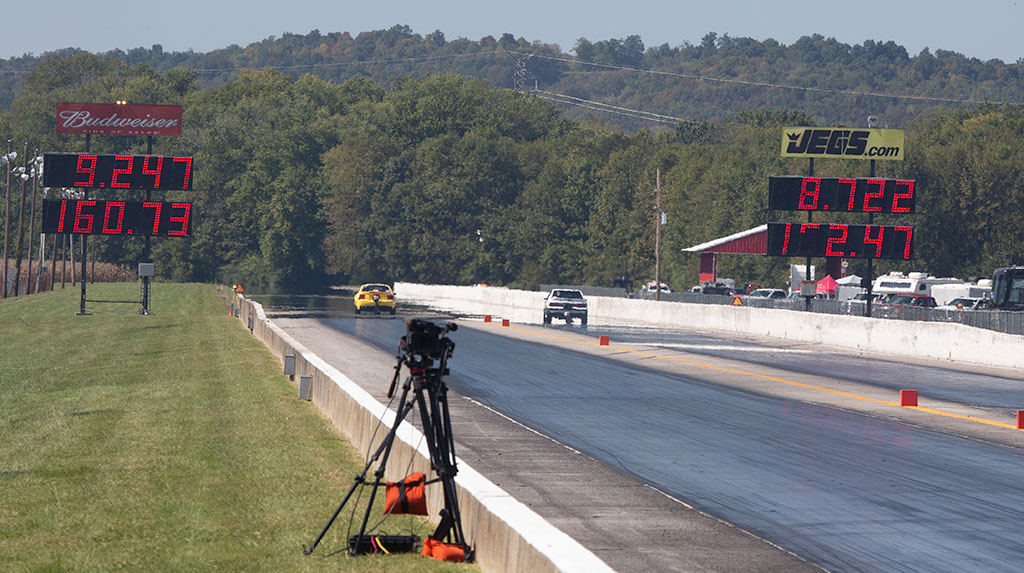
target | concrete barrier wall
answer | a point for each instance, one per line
(507, 535)
(894, 338)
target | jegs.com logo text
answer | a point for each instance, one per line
(842, 143)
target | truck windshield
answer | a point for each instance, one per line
(1008, 287)
(568, 294)
(900, 299)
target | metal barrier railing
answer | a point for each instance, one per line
(998, 320)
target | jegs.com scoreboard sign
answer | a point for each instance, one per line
(842, 143)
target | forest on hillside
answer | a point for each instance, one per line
(649, 86)
(302, 182)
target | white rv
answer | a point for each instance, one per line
(911, 283)
(945, 293)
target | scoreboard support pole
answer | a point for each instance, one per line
(81, 307)
(807, 270)
(145, 248)
(871, 270)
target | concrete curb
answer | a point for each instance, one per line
(507, 535)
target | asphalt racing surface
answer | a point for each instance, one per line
(676, 451)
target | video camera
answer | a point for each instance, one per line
(423, 343)
(427, 339)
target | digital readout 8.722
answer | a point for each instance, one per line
(844, 194)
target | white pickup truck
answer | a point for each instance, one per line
(565, 304)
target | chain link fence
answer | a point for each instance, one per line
(998, 320)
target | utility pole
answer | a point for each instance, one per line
(519, 76)
(657, 235)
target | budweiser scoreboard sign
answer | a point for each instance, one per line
(842, 143)
(118, 119)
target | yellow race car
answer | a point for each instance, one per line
(375, 297)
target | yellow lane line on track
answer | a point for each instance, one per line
(766, 377)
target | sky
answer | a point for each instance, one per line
(983, 29)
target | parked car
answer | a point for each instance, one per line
(565, 304)
(965, 303)
(650, 288)
(375, 297)
(856, 304)
(715, 289)
(863, 296)
(916, 300)
(767, 293)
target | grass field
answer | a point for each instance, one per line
(165, 442)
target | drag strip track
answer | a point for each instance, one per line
(845, 489)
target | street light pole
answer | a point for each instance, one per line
(657, 235)
(11, 155)
(21, 224)
(37, 168)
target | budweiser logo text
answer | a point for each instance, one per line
(119, 119)
(80, 119)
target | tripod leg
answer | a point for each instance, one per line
(359, 480)
(384, 448)
(437, 429)
(405, 405)
(448, 451)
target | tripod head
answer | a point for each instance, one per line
(423, 344)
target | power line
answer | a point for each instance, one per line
(768, 84)
(598, 106)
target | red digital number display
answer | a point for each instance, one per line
(93, 171)
(844, 194)
(94, 217)
(836, 240)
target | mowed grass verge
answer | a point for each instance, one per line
(165, 442)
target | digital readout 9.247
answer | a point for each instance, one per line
(837, 240)
(94, 217)
(92, 171)
(844, 194)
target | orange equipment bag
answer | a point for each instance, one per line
(406, 496)
(443, 551)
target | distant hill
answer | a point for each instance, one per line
(611, 81)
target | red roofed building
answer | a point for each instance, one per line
(750, 242)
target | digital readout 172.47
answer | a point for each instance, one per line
(837, 240)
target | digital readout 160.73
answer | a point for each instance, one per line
(94, 217)
(836, 240)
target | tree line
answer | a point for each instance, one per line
(710, 80)
(301, 183)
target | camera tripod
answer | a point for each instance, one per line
(425, 390)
